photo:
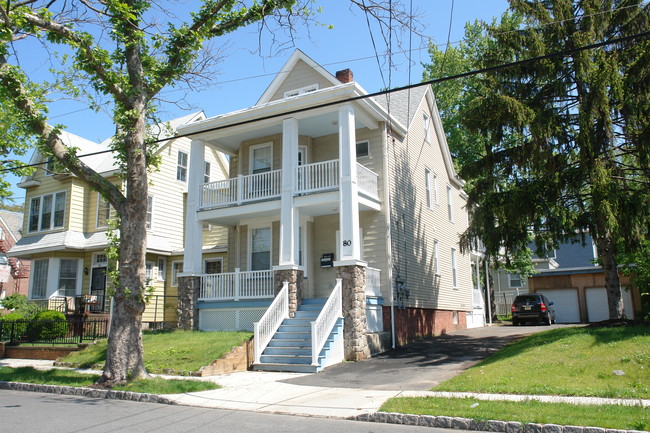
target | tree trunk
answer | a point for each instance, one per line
(607, 253)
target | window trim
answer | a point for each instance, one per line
(77, 279)
(206, 171)
(367, 155)
(454, 269)
(426, 120)
(250, 244)
(520, 279)
(52, 212)
(182, 170)
(175, 272)
(160, 276)
(32, 278)
(428, 187)
(450, 210)
(100, 201)
(251, 153)
(212, 259)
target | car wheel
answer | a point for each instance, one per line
(548, 320)
(515, 322)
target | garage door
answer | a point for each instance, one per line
(565, 304)
(597, 308)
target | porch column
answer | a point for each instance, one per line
(348, 196)
(287, 269)
(355, 321)
(189, 283)
(193, 227)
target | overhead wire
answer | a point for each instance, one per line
(561, 53)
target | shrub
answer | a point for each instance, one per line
(19, 303)
(14, 320)
(48, 325)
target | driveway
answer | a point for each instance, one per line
(420, 365)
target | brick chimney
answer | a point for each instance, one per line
(345, 76)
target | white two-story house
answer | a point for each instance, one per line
(332, 196)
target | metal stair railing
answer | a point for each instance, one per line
(264, 330)
(322, 327)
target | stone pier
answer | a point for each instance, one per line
(354, 311)
(188, 296)
(296, 286)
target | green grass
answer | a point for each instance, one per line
(615, 417)
(178, 352)
(77, 379)
(567, 361)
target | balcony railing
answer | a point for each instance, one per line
(233, 286)
(310, 178)
(241, 189)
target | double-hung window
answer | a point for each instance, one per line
(149, 212)
(206, 172)
(428, 186)
(515, 280)
(177, 268)
(181, 167)
(426, 120)
(46, 212)
(68, 277)
(454, 269)
(450, 207)
(39, 278)
(103, 212)
(260, 248)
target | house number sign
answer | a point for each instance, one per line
(347, 243)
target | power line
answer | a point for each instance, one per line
(386, 92)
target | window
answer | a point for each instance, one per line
(301, 91)
(181, 167)
(206, 172)
(436, 200)
(429, 190)
(148, 272)
(103, 212)
(68, 277)
(261, 158)
(161, 269)
(149, 212)
(427, 126)
(46, 212)
(450, 210)
(177, 268)
(363, 149)
(213, 266)
(100, 260)
(436, 258)
(39, 278)
(515, 280)
(260, 240)
(454, 269)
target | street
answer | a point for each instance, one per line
(38, 412)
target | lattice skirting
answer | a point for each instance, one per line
(229, 319)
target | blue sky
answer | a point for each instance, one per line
(347, 45)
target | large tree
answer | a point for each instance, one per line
(123, 56)
(567, 135)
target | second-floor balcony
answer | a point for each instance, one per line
(309, 179)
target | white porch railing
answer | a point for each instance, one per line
(318, 176)
(323, 325)
(367, 181)
(241, 189)
(236, 285)
(270, 322)
(373, 282)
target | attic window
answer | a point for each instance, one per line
(301, 91)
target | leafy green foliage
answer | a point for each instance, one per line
(21, 306)
(637, 265)
(48, 325)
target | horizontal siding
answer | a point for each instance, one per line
(302, 75)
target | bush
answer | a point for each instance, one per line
(48, 325)
(19, 303)
(7, 323)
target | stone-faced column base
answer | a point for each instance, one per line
(188, 295)
(296, 286)
(355, 325)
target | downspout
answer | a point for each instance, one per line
(487, 286)
(389, 253)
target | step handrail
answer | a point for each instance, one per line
(269, 323)
(322, 327)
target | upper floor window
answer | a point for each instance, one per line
(363, 148)
(161, 269)
(104, 211)
(46, 212)
(515, 280)
(49, 166)
(450, 206)
(261, 158)
(436, 258)
(149, 212)
(454, 269)
(206, 172)
(426, 120)
(428, 186)
(181, 166)
(301, 91)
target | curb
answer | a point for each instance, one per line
(478, 425)
(86, 392)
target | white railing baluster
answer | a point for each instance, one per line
(236, 285)
(323, 325)
(318, 176)
(270, 322)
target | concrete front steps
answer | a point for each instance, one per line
(290, 347)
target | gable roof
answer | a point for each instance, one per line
(13, 221)
(282, 76)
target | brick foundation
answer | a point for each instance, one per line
(415, 323)
(27, 352)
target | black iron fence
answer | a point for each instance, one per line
(71, 331)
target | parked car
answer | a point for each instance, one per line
(533, 307)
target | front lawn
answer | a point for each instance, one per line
(581, 361)
(178, 352)
(77, 379)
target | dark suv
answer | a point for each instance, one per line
(533, 307)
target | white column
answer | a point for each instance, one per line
(288, 213)
(349, 247)
(193, 227)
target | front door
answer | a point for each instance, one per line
(98, 289)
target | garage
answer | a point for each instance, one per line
(597, 308)
(565, 304)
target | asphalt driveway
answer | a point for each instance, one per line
(420, 365)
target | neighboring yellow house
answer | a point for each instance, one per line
(65, 227)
